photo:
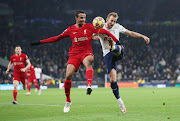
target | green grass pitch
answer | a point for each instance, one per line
(142, 104)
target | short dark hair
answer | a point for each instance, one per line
(78, 12)
(17, 46)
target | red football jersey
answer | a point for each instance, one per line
(19, 62)
(81, 37)
(30, 70)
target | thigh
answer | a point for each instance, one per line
(121, 55)
(70, 70)
(16, 83)
(110, 62)
(23, 80)
(87, 60)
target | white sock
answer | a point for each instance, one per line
(120, 101)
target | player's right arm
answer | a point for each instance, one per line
(9, 67)
(53, 39)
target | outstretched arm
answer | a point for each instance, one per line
(48, 40)
(52, 39)
(103, 31)
(137, 35)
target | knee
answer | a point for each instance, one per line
(112, 79)
(15, 87)
(69, 76)
(88, 64)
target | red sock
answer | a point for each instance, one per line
(67, 88)
(89, 76)
(29, 87)
(15, 94)
(37, 86)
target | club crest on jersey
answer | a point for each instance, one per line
(85, 31)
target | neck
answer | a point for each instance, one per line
(79, 25)
(18, 54)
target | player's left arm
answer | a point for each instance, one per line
(52, 39)
(95, 37)
(136, 35)
(27, 66)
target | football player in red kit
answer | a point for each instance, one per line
(19, 74)
(32, 79)
(80, 51)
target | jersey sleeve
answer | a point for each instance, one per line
(103, 31)
(65, 34)
(121, 28)
(11, 59)
(26, 57)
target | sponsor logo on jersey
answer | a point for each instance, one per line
(18, 63)
(74, 32)
(80, 39)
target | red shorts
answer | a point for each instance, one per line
(76, 59)
(32, 79)
(20, 79)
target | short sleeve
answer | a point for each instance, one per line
(121, 29)
(40, 70)
(11, 59)
(26, 57)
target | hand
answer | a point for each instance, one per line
(95, 38)
(35, 43)
(7, 71)
(23, 69)
(146, 39)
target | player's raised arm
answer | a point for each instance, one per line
(9, 67)
(52, 39)
(137, 35)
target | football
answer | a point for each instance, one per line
(98, 22)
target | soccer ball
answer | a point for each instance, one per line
(98, 22)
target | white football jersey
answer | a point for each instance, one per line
(38, 72)
(115, 30)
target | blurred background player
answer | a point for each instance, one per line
(19, 74)
(38, 73)
(114, 51)
(80, 51)
(32, 79)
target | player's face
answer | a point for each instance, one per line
(18, 50)
(81, 19)
(111, 21)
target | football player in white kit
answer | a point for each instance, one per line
(38, 73)
(114, 51)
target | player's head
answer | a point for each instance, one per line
(18, 49)
(80, 17)
(111, 19)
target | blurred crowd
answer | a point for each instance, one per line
(160, 60)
